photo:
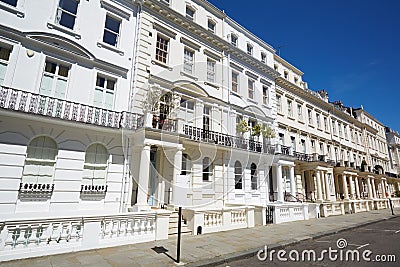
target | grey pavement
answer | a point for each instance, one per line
(209, 249)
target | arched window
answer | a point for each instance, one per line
(254, 180)
(95, 167)
(186, 167)
(207, 169)
(40, 161)
(238, 175)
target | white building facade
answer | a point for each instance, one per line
(113, 113)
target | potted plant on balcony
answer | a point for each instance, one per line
(242, 128)
(267, 133)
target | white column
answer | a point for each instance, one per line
(176, 172)
(327, 189)
(319, 187)
(352, 191)
(373, 188)
(358, 196)
(292, 181)
(143, 179)
(279, 184)
(345, 189)
(370, 196)
(383, 189)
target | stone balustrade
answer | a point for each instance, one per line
(23, 238)
(219, 219)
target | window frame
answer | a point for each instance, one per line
(234, 40)
(235, 83)
(117, 34)
(162, 42)
(249, 49)
(250, 89)
(4, 61)
(60, 11)
(191, 9)
(207, 167)
(266, 95)
(88, 166)
(40, 161)
(238, 175)
(105, 90)
(211, 74)
(15, 6)
(187, 162)
(55, 77)
(211, 22)
(253, 176)
(188, 65)
(263, 58)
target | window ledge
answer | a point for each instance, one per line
(63, 29)
(12, 9)
(266, 106)
(301, 121)
(40, 160)
(291, 117)
(189, 75)
(252, 101)
(280, 113)
(162, 64)
(110, 47)
(235, 94)
(311, 125)
(212, 84)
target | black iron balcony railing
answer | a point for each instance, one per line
(285, 150)
(32, 103)
(217, 138)
(164, 124)
(311, 157)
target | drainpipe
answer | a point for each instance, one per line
(132, 87)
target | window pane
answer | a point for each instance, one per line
(63, 71)
(69, 5)
(100, 82)
(10, 2)
(67, 20)
(110, 84)
(108, 103)
(98, 97)
(61, 87)
(3, 68)
(4, 53)
(50, 67)
(110, 38)
(45, 87)
(112, 24)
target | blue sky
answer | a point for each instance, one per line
(350, 48)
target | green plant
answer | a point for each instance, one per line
(242, 127)
(256, 130)
(397, 193)
(267, 132)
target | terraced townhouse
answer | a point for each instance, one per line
(114, 113)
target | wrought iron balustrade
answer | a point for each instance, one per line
(32, 103)
(217, 138)
(164, 124)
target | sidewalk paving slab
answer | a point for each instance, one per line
(209, 249)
